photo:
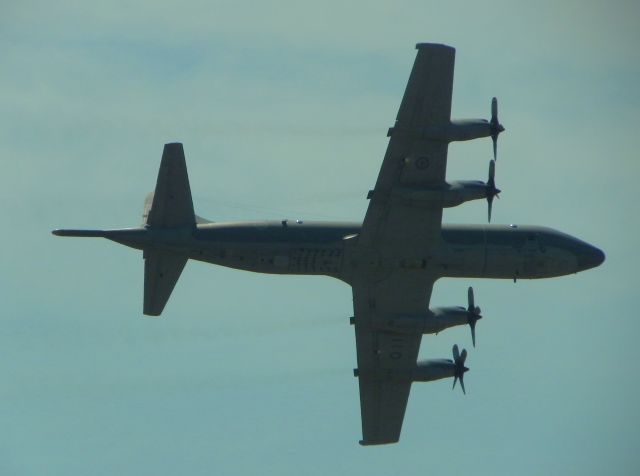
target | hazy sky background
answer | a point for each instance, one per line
(283, 108)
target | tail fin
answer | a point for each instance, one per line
(171, 205)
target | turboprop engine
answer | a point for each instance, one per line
(434, 320)
(435, 369)
(451, 194)
(461, 130)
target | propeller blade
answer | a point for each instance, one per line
(492, 172)
(459, 369)
(473, 314)
(494, 139)
(472, 324)
(490, 200)
(496, 127)
(492, 190)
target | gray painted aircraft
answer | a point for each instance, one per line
(391, 260)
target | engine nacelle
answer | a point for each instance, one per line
(429, 370)
(432, 369)
(449, 195)
(456, 130)
(468, 129)
(445, 317)
(431, 322)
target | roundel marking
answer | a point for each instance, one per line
(422, 163)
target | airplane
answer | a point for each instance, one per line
(391, 260)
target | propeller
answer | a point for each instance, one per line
(473, 314)
(496, 127)
(491, 189)
(460, 369)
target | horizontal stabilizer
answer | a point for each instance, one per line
(171, 205)
(161, 272)
(147, 206)
(202, 221)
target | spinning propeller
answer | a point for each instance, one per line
(458, 360)
(492, 191)
(496, 127)
(473, 315)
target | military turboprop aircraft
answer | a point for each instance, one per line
(391, 260)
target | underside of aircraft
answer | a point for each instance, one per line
(391, 260)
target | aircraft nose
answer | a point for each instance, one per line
(590, 257)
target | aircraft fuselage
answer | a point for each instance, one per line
(330, 248)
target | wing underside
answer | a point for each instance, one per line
(403, 235)
(383, 355)
(411, 160)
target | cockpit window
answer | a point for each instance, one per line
(557, 239)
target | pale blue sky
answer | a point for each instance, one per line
(283, 109)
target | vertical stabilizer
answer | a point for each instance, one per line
(171, 205)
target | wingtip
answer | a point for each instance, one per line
(421, 46)
(173, 144)
(148, 309)
(378, 442)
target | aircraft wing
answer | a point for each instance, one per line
(401, 235)
(381, 354)
(413, 161)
